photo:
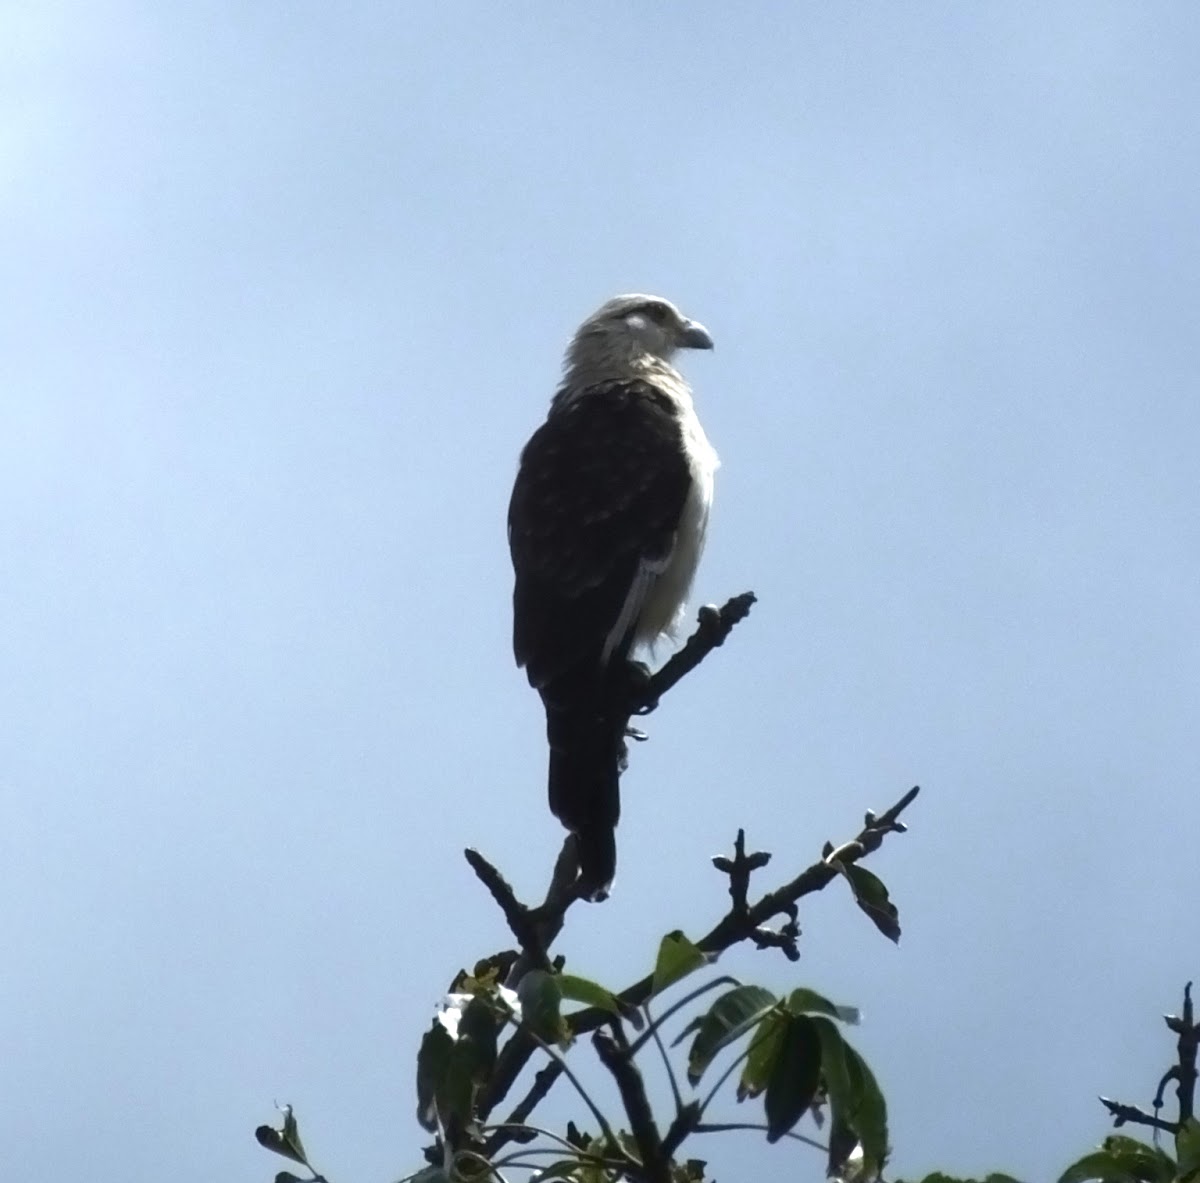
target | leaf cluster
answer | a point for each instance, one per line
(790, 1051)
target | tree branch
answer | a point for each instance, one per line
(737, 925)
(520, 919)
(1182, 1072)
(1188, 1030)
(536, 928)
(1134, 1116)
(613, 1051)
(543, 1082)
(715, 625)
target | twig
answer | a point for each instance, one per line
(653, 1029)
(518, 917)
(739, 925)
(734, 928)
(715, 625)
(1188, 1030)
(679, 1003)
(1134, 1116)
(1182, 1072)
(739, 869)
(550, 914)
(557, 1057)
(534, 928)
(513, 1125)
(1171, 1074)
(721, 1127)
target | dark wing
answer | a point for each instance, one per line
(599, 494)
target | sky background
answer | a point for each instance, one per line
(286, 289)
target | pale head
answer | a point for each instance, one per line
(631, 332)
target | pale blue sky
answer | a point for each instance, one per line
(287, 288)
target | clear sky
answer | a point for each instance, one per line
(286, 288)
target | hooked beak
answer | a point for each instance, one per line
(694, 336)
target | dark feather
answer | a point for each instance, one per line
(600, 490)
(601, 487)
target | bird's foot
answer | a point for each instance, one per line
(637, 686)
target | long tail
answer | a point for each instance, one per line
(587, 755)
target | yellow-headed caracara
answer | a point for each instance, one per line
(606, 526)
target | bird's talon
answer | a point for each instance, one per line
(639, 676)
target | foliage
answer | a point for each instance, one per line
(788, 1053)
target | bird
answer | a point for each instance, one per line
(606, 526)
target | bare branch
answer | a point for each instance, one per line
(516, 914)
(739, 869)
(513, 1128)
(715, 625)
(1134, 1116)
(1188, 1031)
(739, 925)
(613, 1051)
(1182, 1072)
(535, 929)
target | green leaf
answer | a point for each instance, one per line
(433, 1060)
(693, 1025)
(268, 1137)
(809, 1002)
(677, 957)
(1122, 1160)
(450, 1070)
(1098, 1165)
(541, 996)
(794, 1076)
(765, 1046)
(854, 1095)
(872, 897)
(288, 1177)
(286, 1141)
(568, 1168)
(843, 1162)
(728, 1019)
(478, 1032)
(1146, 1163)
(939, 1177)
(870, 1119)
(589, 993)
(1187, 1150)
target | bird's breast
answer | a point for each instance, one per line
(666, 598)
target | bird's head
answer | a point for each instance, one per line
(632, 331)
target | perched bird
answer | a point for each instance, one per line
(605, 526)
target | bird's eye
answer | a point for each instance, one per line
(658, 312)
